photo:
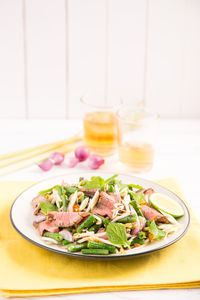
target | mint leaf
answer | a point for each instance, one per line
(48, 190)
(116, 234)
(139, 198)
(96, 182)
(47, 207)
(159, 234)
(122, 185)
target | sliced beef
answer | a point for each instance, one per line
(106, 204)
(152, 214)
(36, 203)
(47, 226)
(148, 192)
(66, 219)
(88, 192)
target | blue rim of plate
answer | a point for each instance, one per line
(92, 256)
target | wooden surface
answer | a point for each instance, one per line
(178, 155)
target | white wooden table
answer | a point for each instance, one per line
(178, 155)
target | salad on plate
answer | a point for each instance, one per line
(104, 216)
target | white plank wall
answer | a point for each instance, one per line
(12, 100)
(126, 48)
(86, 44)
(52, 51)
(46, 58)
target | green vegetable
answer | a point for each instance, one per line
(128, 219)
(147, 224)
(137, 241)
(141, 235)
(70, 190)
(111, 180)
(66, 242)
(95, 182)
(122, 185)
(139, 198)
(86, 224)
(48, 190)
(135, 186)
(111, 189)
(94, 228)
(47, 207)
(95, 245)
(105, 221)
(158, 233)
(73, 247)
(95, 251)
(56, 236)
(63, 197)
(117, 234)
(136, 207)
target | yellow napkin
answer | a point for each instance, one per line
(27, 270)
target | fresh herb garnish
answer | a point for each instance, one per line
(48, 190)
(158, 233)
(139, 198)
(117, 234)
(70, 190)
(47, 207)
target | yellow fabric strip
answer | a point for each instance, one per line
(27, 270)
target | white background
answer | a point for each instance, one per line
(51, 51)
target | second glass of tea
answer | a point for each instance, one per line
(99, 124)
(137, 127)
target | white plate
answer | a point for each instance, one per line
(21, 214)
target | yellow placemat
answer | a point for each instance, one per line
(27, 270)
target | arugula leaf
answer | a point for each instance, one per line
(96, 182)
(139, 198)
(47, 207)
(158, 233)
(117, 234)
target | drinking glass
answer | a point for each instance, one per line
(100, 124)
(137, 131)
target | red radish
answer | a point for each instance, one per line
(82, 153)
(73, 161)
(95, 161)
(46, 165)
(57, 158)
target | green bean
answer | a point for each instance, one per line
(104, 220)
(48, 190)
(66, 242)
(76, 247)
(56, 236)
(96, 245)
(135, 206)
(128, 219)
(147, 223)
(63, 197)
(94, 228)
(86, 224)
(95, 251)
(141, 235)
(137, 241)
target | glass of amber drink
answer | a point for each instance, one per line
(137, 131)
(99, 125)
